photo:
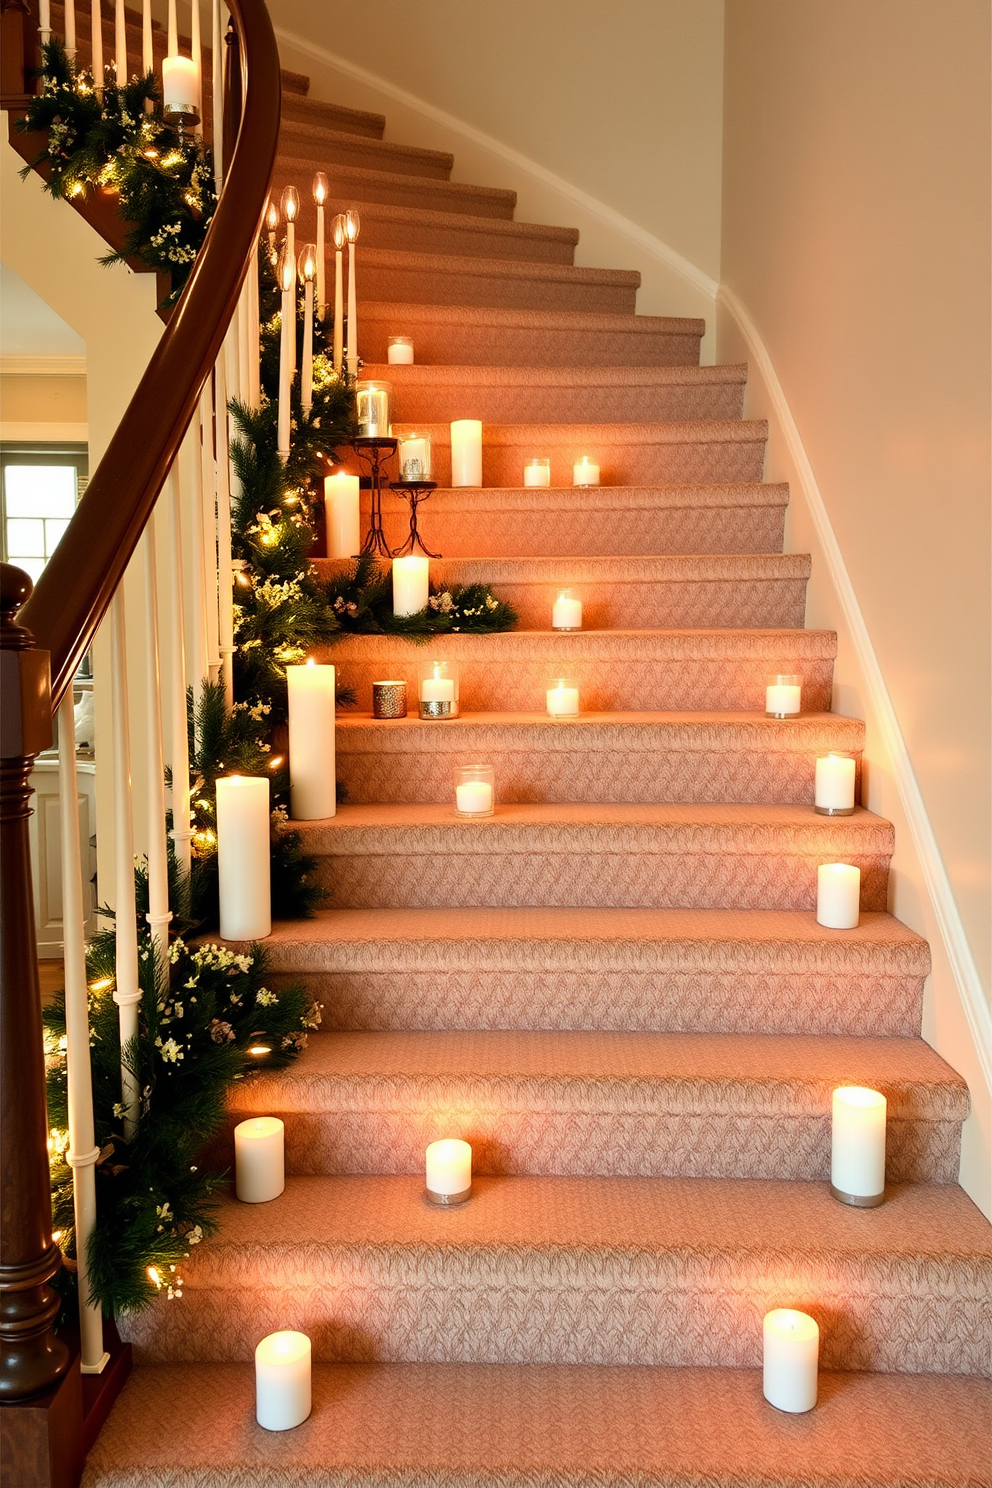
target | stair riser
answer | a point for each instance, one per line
(346, 184)
(327, 148)
(648, 464)
(631, 877)
(759, 604)
(668, 1001)
(577, 1307)
(316, 112)
(414, 284)
(580, 405)
(476, 345)
(422, 233)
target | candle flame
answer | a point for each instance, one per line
(320, 187)
(101, 984)
(290, 203)
(272, 216)
(259, 1049)
(154, 1276)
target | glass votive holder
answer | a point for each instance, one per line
(414, 455)
(389, 699)
(399, 351)
(438, 690)
(833, 788)
(372, 409)
(475, 790)
(783, 695)
(566, 612)
(585, 472)
(563, 698)
(537, 473)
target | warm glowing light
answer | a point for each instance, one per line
(289, 203)
(259, 1049)
(339, 232)
(56, 1236)
(272, 217)
(102, 984)
(307, 262)
(243, 579)
(77, 189)
(320, 188)
(151, 154)
(352, 225)
(286, 272)
(154, 1276)
(275, 762)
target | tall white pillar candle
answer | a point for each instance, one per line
(838, 895)
(466, 452)
(857, 1146)
(585, 473)
(342, 514)
(312, 775)
(259, 1159)
(537, 473)
(833, 791)
(566, 612)
(449, 1171)
(283, 1396)
(180, 85)
(243, 857)
(411, 584)
(791, 1358)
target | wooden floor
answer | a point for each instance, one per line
(51, 977)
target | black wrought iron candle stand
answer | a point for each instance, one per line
(415, 492)
(374, 452)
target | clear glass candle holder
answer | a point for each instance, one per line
(475, 790)
(399, 351)
(372, 408)
(413, 453)
(537, 473)
(834, 783)
(563, 697)
(438, 690)
(783, 695)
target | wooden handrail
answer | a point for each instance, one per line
(74, 591)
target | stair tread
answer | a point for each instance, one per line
(320, 137)
(362, 179)
(801, 732)
(603, 498)
(463, 222)
(480, 375)
(356, 121)
(458, 1426)
(583, 320)
(637, 568)
(555, 435)
(448, 263)
(679, 642)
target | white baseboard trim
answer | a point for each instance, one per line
(646, 241)
(967, 979)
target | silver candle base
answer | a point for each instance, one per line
(447, 1200)
(781, 715)
(858, 1201)
(438, 710)
(834, 810)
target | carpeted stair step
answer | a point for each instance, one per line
(312, 140)
(597, 757)
(395, 275)
(681, 589)
(317, 113)
(598, 856)
(473, 335)
(677, 670)
(416, 230)
(586, 1271)
(685, 451)
(593, 521)
(505, 395)
(459, 1426)
(352, 183)
(621, 1105)
(656, 970)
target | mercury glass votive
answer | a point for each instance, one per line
(389, 699)
(438, 690)
(414, 456)
(372, 407)
(475, 790)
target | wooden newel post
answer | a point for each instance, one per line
(20, 54)
(31, 1358)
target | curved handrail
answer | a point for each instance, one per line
(75, 590)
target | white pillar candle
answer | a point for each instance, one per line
(474, 798)
(449, 1171)
(833, 792)
(282, 1381)
(411, 584)
(466, 452)
(342, 514)
(857, 1146)
(566, 612)
(259, 1159)
(243, 857)
(563, 700)
(585, 473)
(437, 690)
(180, 85)
(783, 697)
(838, 895)
(537, 473)
(312, 777)
(790, 1360)
(399, 351)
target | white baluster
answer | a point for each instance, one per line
(120, 42)
(217, 72)
(159, 914)
(196, 52)
(225, 574)
(254, 334)
(147, 43)
(45, 21)
(70, 29)
(208, 511)
(127, 993)
(244, 339)
(199, 659)
(179, 738)
(172, 45)
(83, 1151)
(96, 36)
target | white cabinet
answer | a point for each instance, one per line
(46, 851)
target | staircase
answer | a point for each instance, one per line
(616, 988)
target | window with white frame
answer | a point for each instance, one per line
(41, 486)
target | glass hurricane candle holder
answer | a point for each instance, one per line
(563, 698)
(438, 690)
(833, 790)
(372, 403)
(537, 473)
(475, 790)
(566, 612)
(399, 351)
(585, 472)
(414, 456)
(783, 695)
(389, 699)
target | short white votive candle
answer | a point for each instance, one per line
(585, 473)
(411, 584)
(857, 1146)
(466, 452)
(833, 790)
(474, 798)
(838, 895)
(312, 768)
(282, 1381)
(342, 514)
(243, 857)
(180, 85)
(783, 696)
(259, 1159)
(399, 351)
(566, 612)
(449, 1171)
(537, 473)
(791, 1358)
(563, 700)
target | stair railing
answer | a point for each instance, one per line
(174, 433)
